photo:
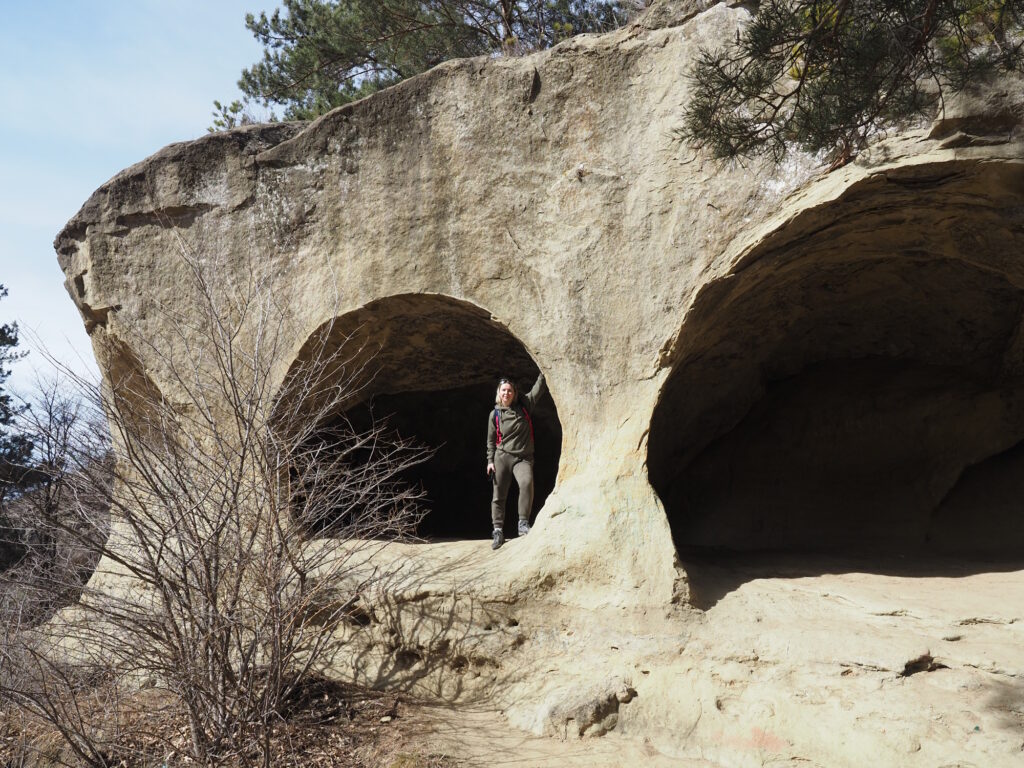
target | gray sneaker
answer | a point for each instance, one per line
(524, 527)
(498, 539)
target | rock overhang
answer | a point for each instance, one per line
(550, 193)
(836, 386)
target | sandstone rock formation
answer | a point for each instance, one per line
(740, 358)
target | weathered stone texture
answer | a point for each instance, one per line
(798, 359)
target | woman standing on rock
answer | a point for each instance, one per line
(510, 453)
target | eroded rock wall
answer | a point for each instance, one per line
(706, 312)
(740, 358)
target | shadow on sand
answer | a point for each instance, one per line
(713, 574)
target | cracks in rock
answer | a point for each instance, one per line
(993, 670)
(96, 317)
(171, 216)
(69, 238)
(986, 620)
(534, 90)
(850, 666)
(920, 182)
(960, 140)
(923, 663)
(514, 241)
(986, 129)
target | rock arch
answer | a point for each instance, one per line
(429, 366)
(855, 383)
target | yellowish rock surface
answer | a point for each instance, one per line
(741, 359)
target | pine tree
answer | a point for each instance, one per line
(827, 75)
(15, 448)
(320, 54)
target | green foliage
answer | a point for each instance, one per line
(228, 115)
(15, 448)
(320, 54)
(826, 76)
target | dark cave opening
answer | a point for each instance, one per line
(850, 406)
(432, 379)
(453, 422)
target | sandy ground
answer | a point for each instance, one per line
(480, 737)
(809, 662)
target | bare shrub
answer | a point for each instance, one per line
(43, 522)
(209, 593)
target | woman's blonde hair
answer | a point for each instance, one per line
(497, 392)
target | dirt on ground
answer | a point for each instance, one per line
(328, 725)
(820, 663)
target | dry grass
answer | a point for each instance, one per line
(328, 724)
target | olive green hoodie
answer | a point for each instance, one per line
(516, 436)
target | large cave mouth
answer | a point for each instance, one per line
(850, 400)
(429, 370)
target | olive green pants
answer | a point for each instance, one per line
(507, 466)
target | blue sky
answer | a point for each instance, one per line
(88, 88)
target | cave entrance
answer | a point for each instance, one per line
(431, 366)
(858, 394)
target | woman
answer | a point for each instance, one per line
(510, 453)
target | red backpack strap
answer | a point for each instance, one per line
(497, 425)
(529, 421)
